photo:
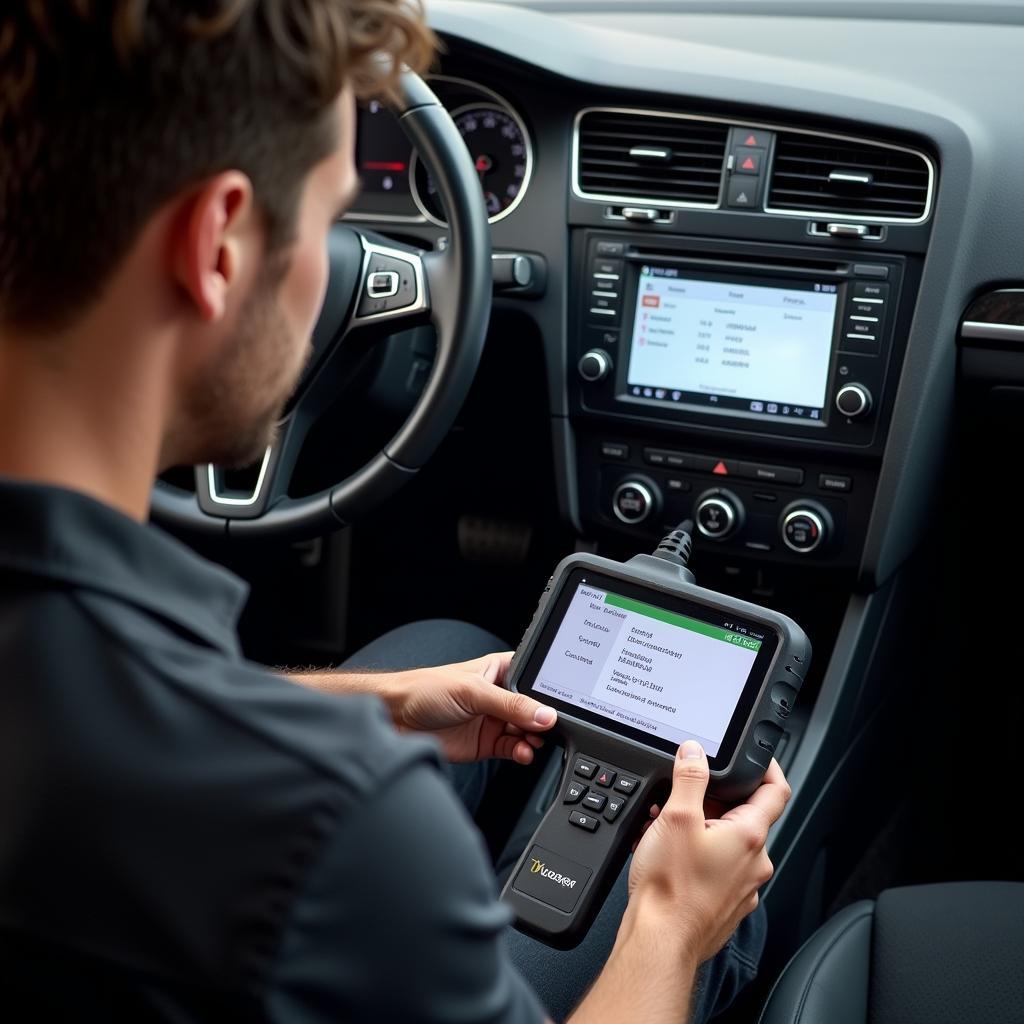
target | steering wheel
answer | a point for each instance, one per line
(376, 288)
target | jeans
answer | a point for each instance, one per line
(560, 978)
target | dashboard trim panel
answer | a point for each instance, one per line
(817, 214)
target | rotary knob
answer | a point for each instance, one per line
(595, 365)
(719, 514)
(635, 500)
(853, 401)
(805, 526)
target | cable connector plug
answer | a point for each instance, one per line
(675, 547)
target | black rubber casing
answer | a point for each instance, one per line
(566, 850)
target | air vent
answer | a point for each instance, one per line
(817, 174)
(650, 158)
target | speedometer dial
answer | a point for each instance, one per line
(501, 152)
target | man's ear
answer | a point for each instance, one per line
(210, 240)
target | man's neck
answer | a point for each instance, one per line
(81, 415)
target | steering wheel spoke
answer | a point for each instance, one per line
(266, 483)
(393, 290)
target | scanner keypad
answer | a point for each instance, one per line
(593, 803)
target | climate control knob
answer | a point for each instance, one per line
(595, 365)
(805, 526)
(635, 500)
(853, 401)
(718, 514)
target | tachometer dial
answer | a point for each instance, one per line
(500, 148)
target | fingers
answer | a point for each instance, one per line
(494, 667)
(513, 708)
(770, 798)
(685, 805)
(513, 748)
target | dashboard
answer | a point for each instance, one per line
(773, 251)
(742, 243)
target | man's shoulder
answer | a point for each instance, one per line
(136, 673)
(171, 799)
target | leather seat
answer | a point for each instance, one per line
(927, 954)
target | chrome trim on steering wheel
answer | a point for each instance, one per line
(220, 499)
(419, 304)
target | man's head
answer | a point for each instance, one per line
(199, 149)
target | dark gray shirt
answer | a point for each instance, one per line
(185, 837)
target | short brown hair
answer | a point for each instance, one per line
(109, 108)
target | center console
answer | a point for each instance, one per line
(745, 384)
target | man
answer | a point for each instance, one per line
(183, 836)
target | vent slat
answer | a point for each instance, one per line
(800, 178)
(693, 174)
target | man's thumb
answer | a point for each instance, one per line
(689, 781)
(514, 708)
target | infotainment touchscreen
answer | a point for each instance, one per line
(669, 671)
(757, 348)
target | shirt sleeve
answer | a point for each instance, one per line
(399, 921)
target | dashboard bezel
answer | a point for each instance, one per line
(579, 193)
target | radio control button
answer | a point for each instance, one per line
(614, 450)
(769, 474)
(870, 270)
(595, 365)
(607, 248)
(853, 400)
(605, 269)
(870, 290)
(832, 482)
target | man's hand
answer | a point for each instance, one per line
(691, 882)
(705, 872)
(468, 709)
(465, 706)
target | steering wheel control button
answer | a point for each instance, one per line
(595, 365)
(626, 784)
(584, 768)
(574, 792)
(614, 808)
(552, 879)
(805, 528)
(719, 514)
(595, 802)
(605, 778)
(853, 401)
(382, 284)
(633, 502)
(390, 285)
(581, 820)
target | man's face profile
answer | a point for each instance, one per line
(237, 398)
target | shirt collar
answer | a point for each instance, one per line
(67, 537)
